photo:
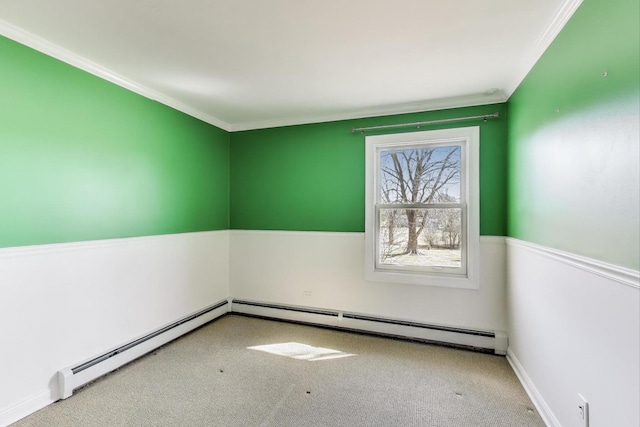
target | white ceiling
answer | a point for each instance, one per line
(243, 64)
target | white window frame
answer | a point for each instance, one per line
(469, 139)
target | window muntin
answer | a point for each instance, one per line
(419, 207)
(419, 203)
(422, 207)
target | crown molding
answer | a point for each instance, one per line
(28, 39)
(563, 14)
(560, 19)
(492, 97)
(41, 45)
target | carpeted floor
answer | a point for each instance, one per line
(212, 378)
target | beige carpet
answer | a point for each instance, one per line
(211, 378)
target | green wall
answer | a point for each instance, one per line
(84, 159)
(574, 136)
(311, 177)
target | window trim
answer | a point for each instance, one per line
(470, 137)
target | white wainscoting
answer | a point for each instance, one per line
(63, 303)
(574, 327)
(326, 270)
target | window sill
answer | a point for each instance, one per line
(422, 279)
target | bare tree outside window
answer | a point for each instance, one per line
(420, 214)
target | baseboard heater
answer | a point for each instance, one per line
(485, 341)
(73, 377)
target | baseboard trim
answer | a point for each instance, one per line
(616, 273)
(294, 308)
(79, 374)
(73, 377)
(536, 397)
(476, 340)
(26, 407)
(417, 325)
(298, 314)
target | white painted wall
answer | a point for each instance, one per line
(63, 303)
(571, 329)
(281, 266)
(574, 327)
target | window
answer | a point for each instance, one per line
(422, 207)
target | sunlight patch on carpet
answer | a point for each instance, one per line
(301, 351)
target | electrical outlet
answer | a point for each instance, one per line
(583, 411)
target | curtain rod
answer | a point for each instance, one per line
(484, 117)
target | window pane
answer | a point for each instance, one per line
(420, 175)
(420, 237)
